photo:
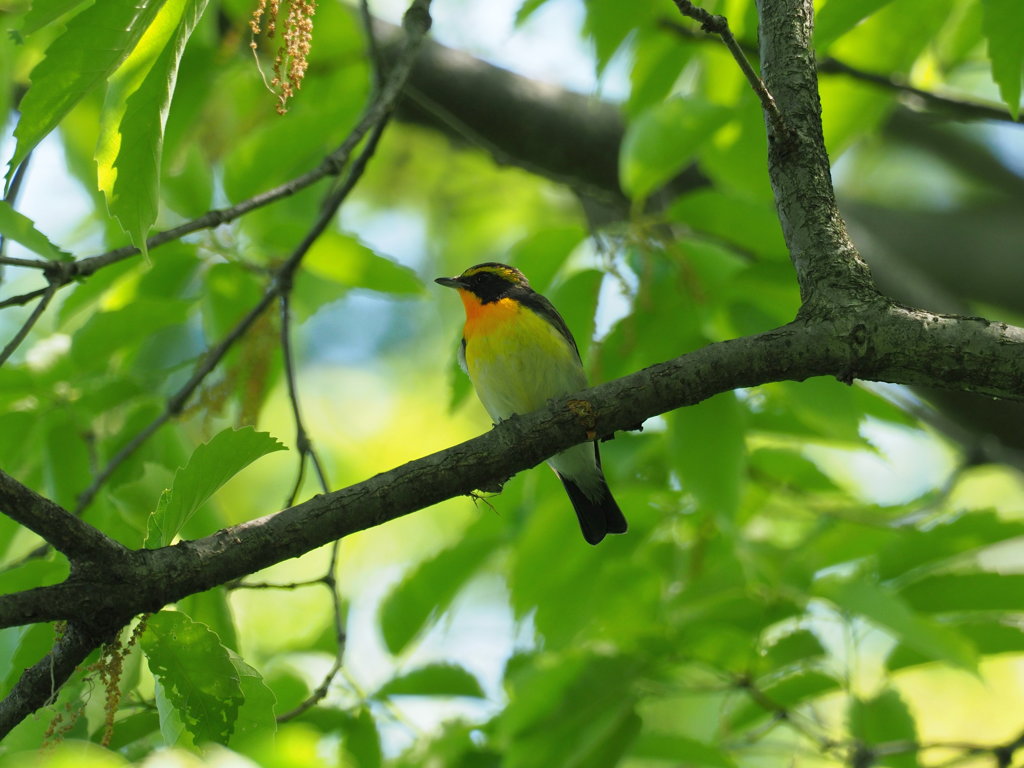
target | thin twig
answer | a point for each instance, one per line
(372, 48)
(719, 25)
(303, 444)
(965, 109)
(22, 299)
(340, 638)
(37, 312)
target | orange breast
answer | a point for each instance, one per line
(484, 318)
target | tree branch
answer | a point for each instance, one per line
(47, 676)
(67, 533)
(719, 25)
(830, 272)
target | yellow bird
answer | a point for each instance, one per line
(519, 354)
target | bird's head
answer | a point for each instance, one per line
(487, 282)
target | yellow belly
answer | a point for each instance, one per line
(518, 361)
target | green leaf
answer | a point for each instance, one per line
(663, 140)
(22, 647)
(712, 212)
(256, 715)
(989, 637)
(609, 22)
(1002, 22)
(213, 609)
(526, 10)
(890, 611)
(838, 17)
(360, 744)
(346, 261)
(709, 450)
(427, 590)
(793, 648)
(94, 44)
(680, 750)
(657, 63)
(433, 680)
(197, 674)
(957, 592)
(43, 12)
(885, 718)
(107, 333)
(129, 171)
(571, 712)
(19, 228)
(211, 465)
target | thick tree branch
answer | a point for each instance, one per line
(829, 270)
(48, 675)
(67, 533)
(889, 344)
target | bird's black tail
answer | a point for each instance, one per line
(599, 515)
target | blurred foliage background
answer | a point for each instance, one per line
(815, 573)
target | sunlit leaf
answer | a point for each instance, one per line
(1002, 23)
(837, 17)
(19, 228)
(130, 165)
(346, 261)
(211, 465)
(94, 44)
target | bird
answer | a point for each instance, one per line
(519, 353)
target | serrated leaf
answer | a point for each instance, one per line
(197, 674)
(662, 140)
(92, 46)
(838, 17)
(21, 229)
(345, 260)
(433, 680)
(888, 610)
(427, 590)
(211, 465)
(1002, 22)
(43, 12)
(131, 180)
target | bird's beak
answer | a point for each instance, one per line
(449, 282)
